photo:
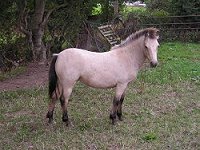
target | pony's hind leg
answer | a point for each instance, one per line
(117, 103)
(52, 104)
(64, 102)
(51, 109)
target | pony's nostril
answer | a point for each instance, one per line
(153, 65)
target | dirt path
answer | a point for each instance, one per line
(36, 75)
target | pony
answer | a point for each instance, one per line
(112, 69)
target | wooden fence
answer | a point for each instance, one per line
(184, 28)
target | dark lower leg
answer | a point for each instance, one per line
(113, 118)
(50, 110)
(119, 111)
(50, 116)
(65, 118)
(113, 113)
(65, 114)
(62, 101)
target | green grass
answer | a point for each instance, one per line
(161, 111)
(179, 62)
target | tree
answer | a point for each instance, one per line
(33, 17)
(47, 21)
(32, 23)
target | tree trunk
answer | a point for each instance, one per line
(39, 50)
(116, 8)
(35, 31)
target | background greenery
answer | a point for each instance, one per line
(66, 22)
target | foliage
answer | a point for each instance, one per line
(159, 13)
(105, 9)
(13, 49)
(63, 26)
(157, 114)
(171, 27)
(132, 10)
(97, 10)
(142, 14)
(65, 23)
(175, 7)
(7, 14)
(158, 4)
(185, 7)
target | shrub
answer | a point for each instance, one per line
(14, 50)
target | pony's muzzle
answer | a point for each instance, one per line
(153, 64)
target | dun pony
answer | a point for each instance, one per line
(113, 69)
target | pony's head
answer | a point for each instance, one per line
(151, 45)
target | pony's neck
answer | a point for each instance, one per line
(136, 52)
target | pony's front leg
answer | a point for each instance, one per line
(113, 113)
(54, 98)
(119, 110)
(117, 103)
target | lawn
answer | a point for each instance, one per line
(161, 111)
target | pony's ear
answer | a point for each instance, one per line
(147, 34)
(157, 32)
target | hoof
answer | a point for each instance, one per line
(50, 121)
(66, 121)
(120, 119)
(113, 122)
(65, 118)
(67, 124)
(113, 119)
(119, 115)
(50, 117)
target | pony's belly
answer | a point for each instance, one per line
(95, 83)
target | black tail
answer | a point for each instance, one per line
(52, 76)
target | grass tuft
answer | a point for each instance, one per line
(149, 137)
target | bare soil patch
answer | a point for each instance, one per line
(35, 75)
